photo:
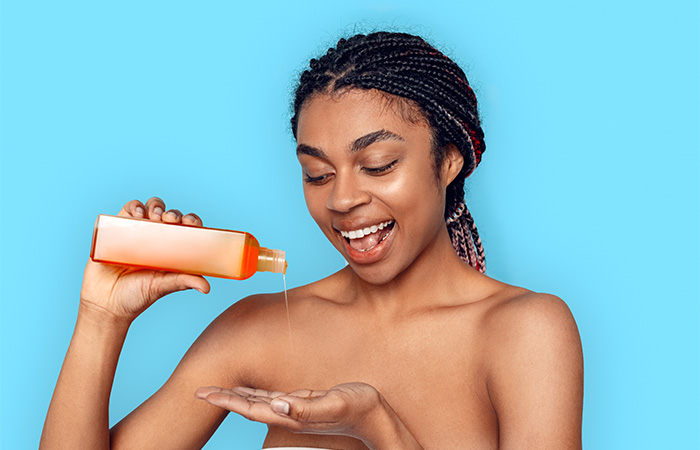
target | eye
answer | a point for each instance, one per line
(322, 179)
(380, 170)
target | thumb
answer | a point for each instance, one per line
(280, 406)
(313, 410)
(173, 282)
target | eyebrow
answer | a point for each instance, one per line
(359, 143)
(371, 138)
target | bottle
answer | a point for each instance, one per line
(182, 248)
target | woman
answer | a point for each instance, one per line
(409, 346)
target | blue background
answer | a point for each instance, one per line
(588, 188)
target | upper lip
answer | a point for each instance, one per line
(359, 224)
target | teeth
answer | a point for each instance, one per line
(357, 234)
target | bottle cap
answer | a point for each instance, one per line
(270, 260)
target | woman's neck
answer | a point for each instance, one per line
(437, 277)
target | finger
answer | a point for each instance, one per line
(172, 216)
(202, 392)
(226, 398)
(170, 282)
(199, 283)
(244, 392)
(196, 282)
(133, 208)
(319, 409)
(252, 392)
(251, 410)
(307, 393)
(192, 219)
(155, 208)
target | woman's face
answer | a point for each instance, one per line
(369, 181)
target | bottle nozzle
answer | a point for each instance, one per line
(270, 260)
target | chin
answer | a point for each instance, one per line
(375, 274)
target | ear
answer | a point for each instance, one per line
(451, 164)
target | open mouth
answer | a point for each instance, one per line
(367, 238)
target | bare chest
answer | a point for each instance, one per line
(431, 372)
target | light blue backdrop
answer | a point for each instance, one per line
(588, 188)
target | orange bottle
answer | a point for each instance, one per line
(182, 248)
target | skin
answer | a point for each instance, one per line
(406, 347)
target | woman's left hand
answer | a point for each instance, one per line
(351, 409)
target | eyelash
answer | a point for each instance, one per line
(315, 180)
(370, 170)
(380, 170)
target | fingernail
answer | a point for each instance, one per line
(199, 393)
(279, 406)
(139, 211)
(158, 211)
(200, 290)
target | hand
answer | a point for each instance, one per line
(351, 409)
(124, 292)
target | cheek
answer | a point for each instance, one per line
(415, 190)
(315, 203)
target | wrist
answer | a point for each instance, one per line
(92, 314)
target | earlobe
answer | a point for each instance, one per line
(451, 164)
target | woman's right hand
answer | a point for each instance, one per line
(122, 292)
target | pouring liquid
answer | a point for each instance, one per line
(289, 322)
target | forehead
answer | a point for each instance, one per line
(337, 118)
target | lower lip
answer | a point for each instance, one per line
(370, 256)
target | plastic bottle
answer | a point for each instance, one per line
(182, 248)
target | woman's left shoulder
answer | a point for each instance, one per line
(534, 370)
(519, 313)
(521, 308)
(526, 326)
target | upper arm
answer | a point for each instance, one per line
(536, 374)
(172, 418)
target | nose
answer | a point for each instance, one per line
(347, 193)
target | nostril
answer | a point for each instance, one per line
(344, 198)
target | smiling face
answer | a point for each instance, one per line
(370, 182)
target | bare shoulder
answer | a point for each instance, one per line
(252, 333)
(520, 313)
(259, 312)
(535, 370)
(531, 325)
(262, 313)
(248, 320)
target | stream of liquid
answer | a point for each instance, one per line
(289, 322)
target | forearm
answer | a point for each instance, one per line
(78, 416)
(387, 431)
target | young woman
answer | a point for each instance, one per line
(409, 346)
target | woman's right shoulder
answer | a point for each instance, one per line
(261, 310)
(245, 330)
(245, 318)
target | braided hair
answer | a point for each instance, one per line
(407, 67)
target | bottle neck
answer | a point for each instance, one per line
(270, 260)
